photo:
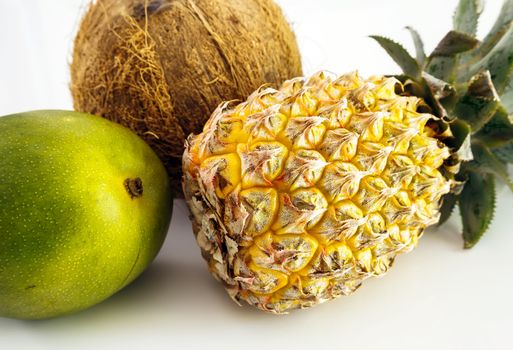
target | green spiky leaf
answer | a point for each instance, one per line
(412, 87)
(454, 43)
(505, 153)
(480, 102)
(448, 204)
(420, 54)
(439, 88)
(464, 152)
(499, 61)
(443, 68)
(399, 54)
(507, 97)
(501, 27)
(477, 205)
(498, 131)
(460, 143)
(467, 15)
(485, 161)
(443, 62)
(440, 94)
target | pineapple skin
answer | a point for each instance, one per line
(300, 194)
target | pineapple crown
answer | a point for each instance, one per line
(468, 84)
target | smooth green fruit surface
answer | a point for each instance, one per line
(85, 206)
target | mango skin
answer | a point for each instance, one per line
(71, 235)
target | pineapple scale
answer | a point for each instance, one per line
(299, 194)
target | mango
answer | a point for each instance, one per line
(85, 206)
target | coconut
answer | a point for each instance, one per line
(161, 67)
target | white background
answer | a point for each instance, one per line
(438, 297)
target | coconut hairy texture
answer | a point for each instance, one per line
(161, 67)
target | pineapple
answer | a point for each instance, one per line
(299, 194)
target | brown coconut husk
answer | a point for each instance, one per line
(161, 67)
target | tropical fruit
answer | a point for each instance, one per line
(299, 194)
(85, 206)
(161, 67)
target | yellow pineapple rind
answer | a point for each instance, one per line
(300, 194)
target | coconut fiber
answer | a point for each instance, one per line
(161, 67)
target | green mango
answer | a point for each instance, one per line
(85, 206)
